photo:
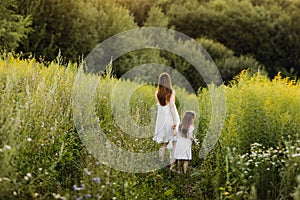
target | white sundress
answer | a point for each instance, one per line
(183, 148)
(164, 122)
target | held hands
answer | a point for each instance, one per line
(174, 129)
(195, 141)
(174, 126)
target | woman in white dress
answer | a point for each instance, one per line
(183, 149)
(167, 114)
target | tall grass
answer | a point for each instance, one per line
(42, 156)
(259, 145)
(37, 133)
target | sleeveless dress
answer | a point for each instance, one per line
(164, 122)
(183, 147)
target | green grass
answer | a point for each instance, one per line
(42, 156)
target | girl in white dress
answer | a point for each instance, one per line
(167, 114)
(183, 148)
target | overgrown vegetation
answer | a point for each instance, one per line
(42, 157)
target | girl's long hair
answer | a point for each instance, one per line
(186, 123)
(164, 89)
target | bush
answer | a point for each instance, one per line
(258, 28)
(13, 27)
(228, 64)
(72, 27)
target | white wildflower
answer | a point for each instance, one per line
(253, 155)
(266, 155)
(77, 188)
(295, 155)
(56, 196)
(7, 147)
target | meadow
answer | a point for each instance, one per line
(257, 155)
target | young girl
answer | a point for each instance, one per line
(167, 114)
(183, 148)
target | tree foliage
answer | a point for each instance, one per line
(139, 8)
(251, 31)
(13, 27)
(228, 64)
(156, 18)
(73, 26)
(268, 31)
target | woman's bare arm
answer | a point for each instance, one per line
(156, 99)
(172, 107)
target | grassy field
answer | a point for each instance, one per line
(257, 155)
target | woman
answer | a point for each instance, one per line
(167, 114)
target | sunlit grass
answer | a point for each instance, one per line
(42, 157)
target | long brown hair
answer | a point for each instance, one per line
(164, 89)
(186, 122)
